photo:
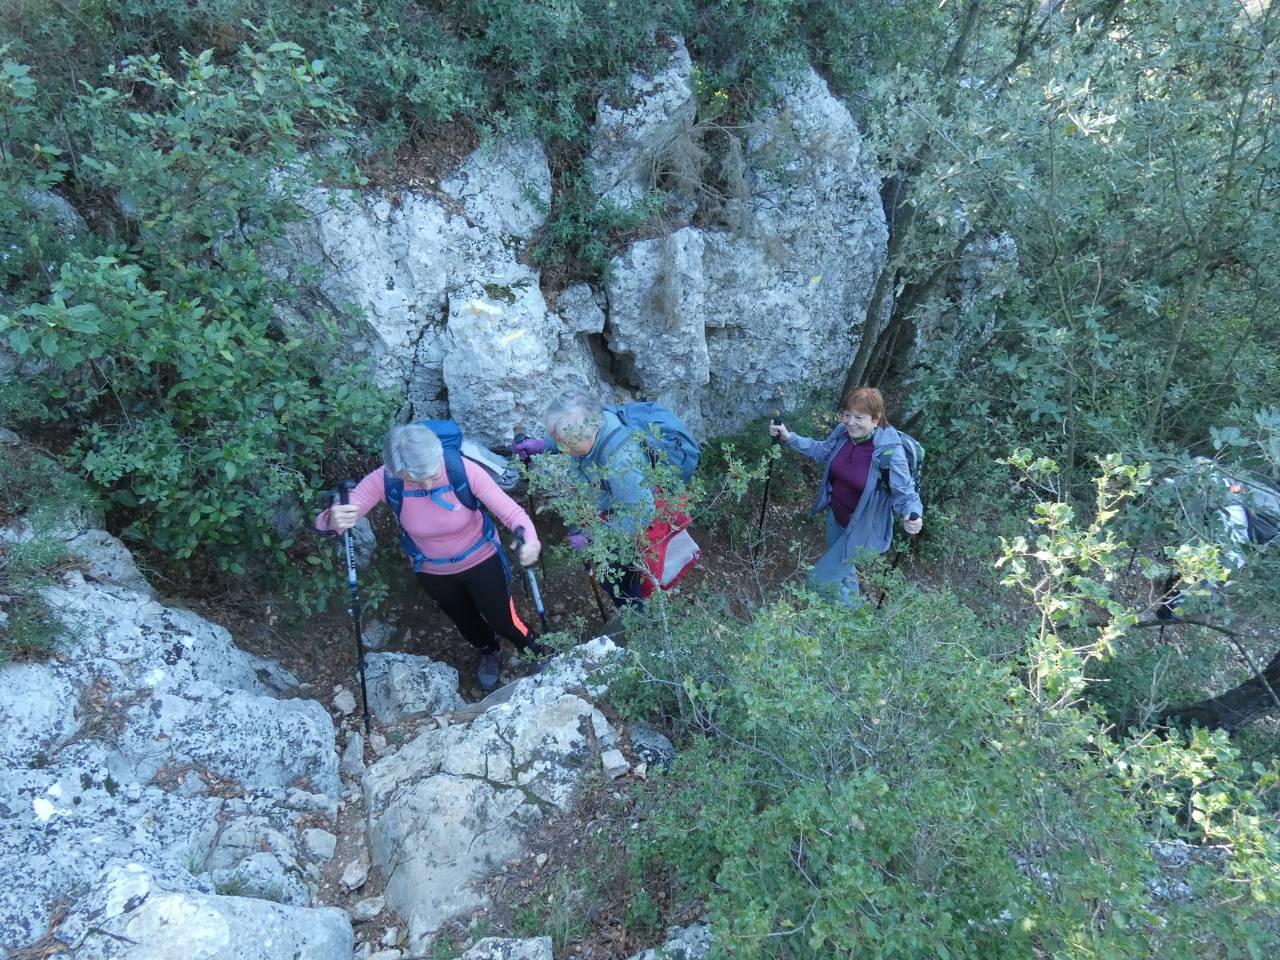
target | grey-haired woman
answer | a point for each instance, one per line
(455, 561)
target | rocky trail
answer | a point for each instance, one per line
(167, 793)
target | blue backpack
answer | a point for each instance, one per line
(914, 454)
(450, 435)
(664, 434)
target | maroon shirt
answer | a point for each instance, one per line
(850, 470)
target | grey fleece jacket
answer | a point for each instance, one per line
(621, 494)
(871, 524)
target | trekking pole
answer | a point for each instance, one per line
(532, 581)
(520, 436)
(595, 588)
(764, 501)
(897, 559)
(341, 497)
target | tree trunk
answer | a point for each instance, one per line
(1238, 707)
(900, 212)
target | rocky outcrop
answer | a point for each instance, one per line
(404, 687)
(450, 806)
(629, 138)
(721, 320)
(102, 557)
(155, 789)
(137, 914)
(495, 948)
(683, 943)
(726, 324)
(454, 321)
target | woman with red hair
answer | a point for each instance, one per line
(865, 482)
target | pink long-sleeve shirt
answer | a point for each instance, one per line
(441, 533)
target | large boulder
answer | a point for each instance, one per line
(450, 806)
(722, 320)
(135, 914)
(388, 256)
(725, 324)
(404, 687)
(630, 136)
(150, 746)
(456, 321)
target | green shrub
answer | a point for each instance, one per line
(165, 374)
(868, 784)
(42, 500)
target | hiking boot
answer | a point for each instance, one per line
(489, 669)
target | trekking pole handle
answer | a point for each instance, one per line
(344, 497)
(528, 572)
(914, 516)
(775, 422)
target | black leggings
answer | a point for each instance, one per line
(623, 584)
(479, 603)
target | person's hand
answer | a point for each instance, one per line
(528, 447)
(527, 553)
(343, 516)
(913, 525)
(779, 431)
(578, 541)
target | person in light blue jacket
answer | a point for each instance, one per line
(577, 424)
(859, 508)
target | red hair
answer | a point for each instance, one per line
(866, 400)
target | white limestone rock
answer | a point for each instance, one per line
(451, 805)
(352, 762)
(344, 701)
(356, 873)
(504, 186)
(368, 908)
(628, 137)
(614, 764)
(497, 948)
(320, 844)
(133, 914)
(683, 943)
(403, 686)
(724, 324)
(151, 740)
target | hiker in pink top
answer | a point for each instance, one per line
(455, 563)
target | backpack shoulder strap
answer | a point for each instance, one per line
(884, 457)
(455, 467)
(393, 486)
(613, 441)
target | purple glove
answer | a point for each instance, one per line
(528, 447)
(578, 541)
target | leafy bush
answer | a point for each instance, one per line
(870, 784)
(163, 368)
(41, 499)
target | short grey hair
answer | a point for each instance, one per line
(574, 411)
(412, 452)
